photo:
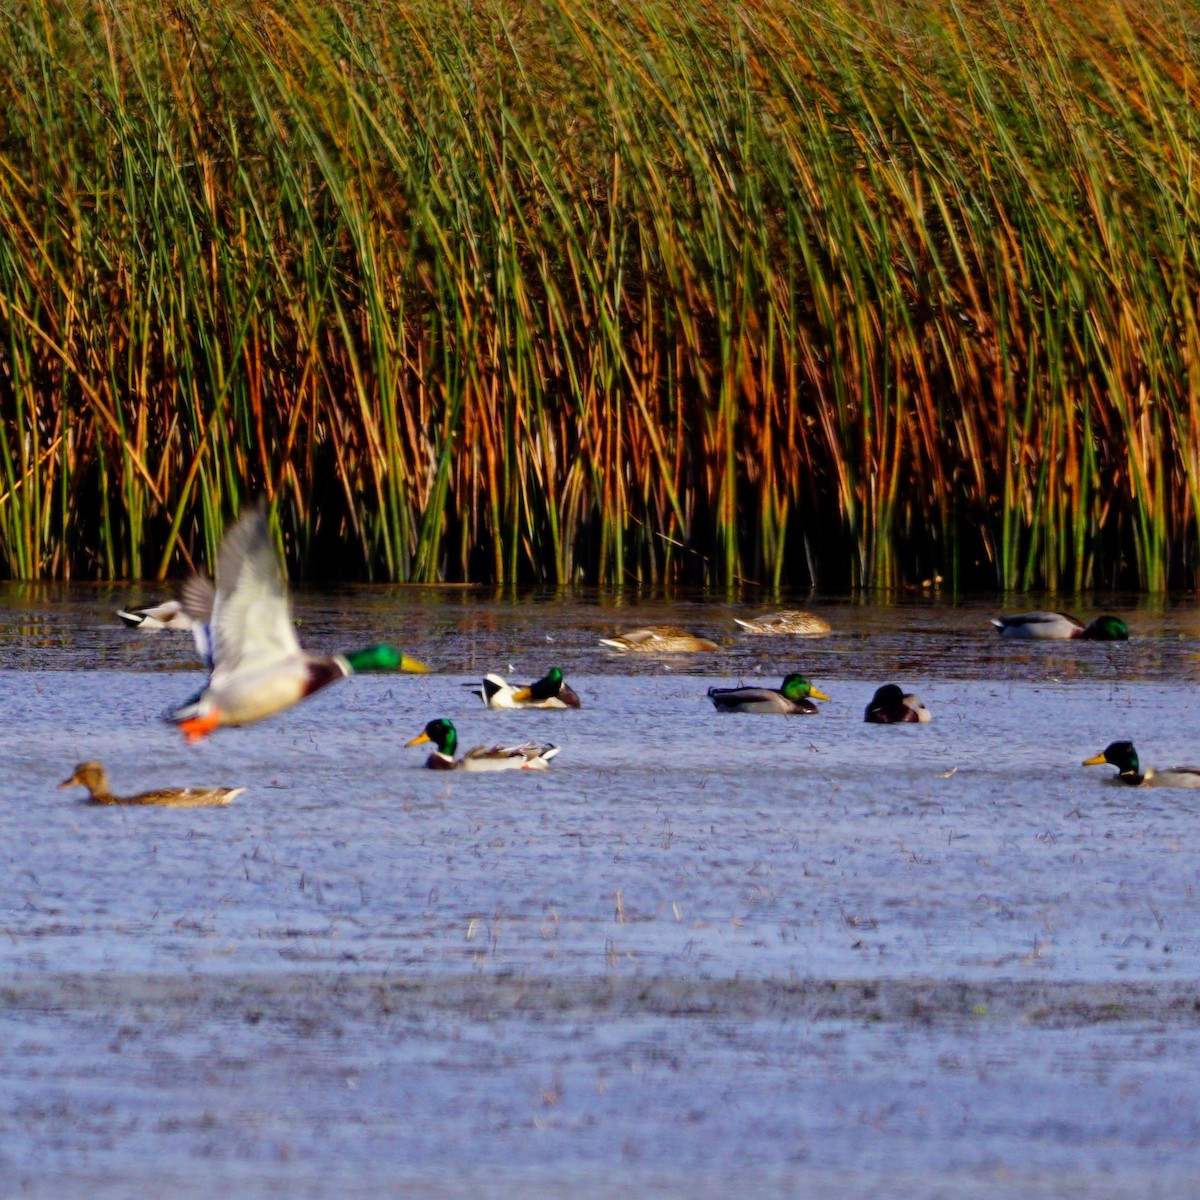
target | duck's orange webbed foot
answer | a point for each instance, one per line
(195, 729)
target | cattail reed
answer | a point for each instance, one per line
(835, 293)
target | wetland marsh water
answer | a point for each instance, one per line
(704, 954)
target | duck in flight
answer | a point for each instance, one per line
(259, 668)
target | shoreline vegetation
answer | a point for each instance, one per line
(832, 293)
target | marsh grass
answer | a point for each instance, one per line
(835, 293)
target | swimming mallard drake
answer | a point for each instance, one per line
(892, 706)
(790, 621)
(259, 668)
(92, 776)
(1061, 626)
(551, 691)
(526, 757)
(659, 639)
(1124, 757)
(790, 698)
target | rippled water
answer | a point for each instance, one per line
(623, 972)
(473, 630)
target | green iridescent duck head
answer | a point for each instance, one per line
(384, 658)
(796, 687)
(441, 733)
(1107, 629)
(1121, 755)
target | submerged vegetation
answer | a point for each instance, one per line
(836, 292)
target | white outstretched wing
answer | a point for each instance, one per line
(251, 617)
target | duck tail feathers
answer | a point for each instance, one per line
(190, 708)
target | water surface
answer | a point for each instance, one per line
(744, 953)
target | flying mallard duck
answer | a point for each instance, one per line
(92, 776)
(800, 624)
(527, 757)
(259, 668)
(892, 706)
(1061, 626)
(192, 614)
(551, 691)
(791, 697)
(167, 615)
(659, 639)
(1124, 757)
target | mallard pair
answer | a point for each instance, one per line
(889, 706)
